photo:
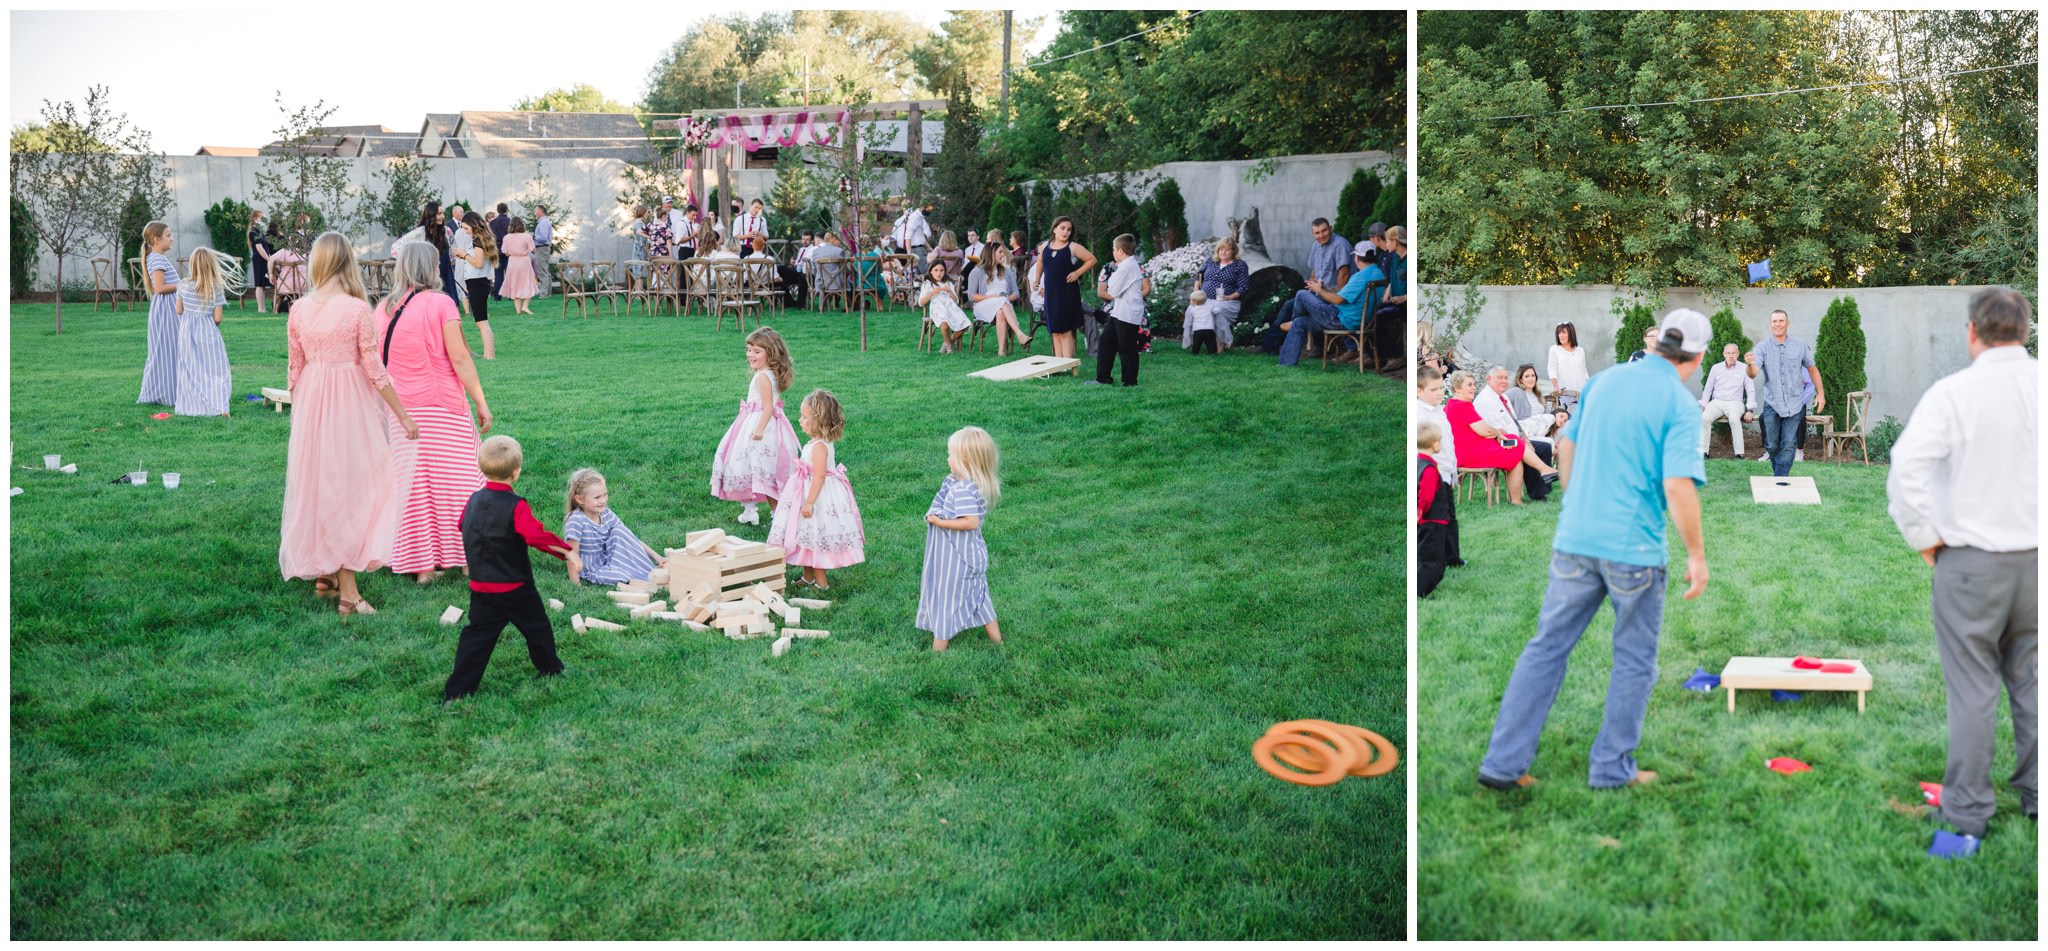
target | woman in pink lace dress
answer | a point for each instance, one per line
(341, 503)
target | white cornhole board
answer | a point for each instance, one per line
(278, 399)
(1783, 490)
(1027, 368)
(1777, 673)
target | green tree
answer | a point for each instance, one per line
(1391, 207)
(1655, 196)
(1838, 350)
(581, 97)
(22, 248)
(405, 193)
(1040, 208)
(1727, 330)
(227, 227)
(1148, 225)
(1003, 215)
(762, 59)
(1355, 203)
(965, 177)
(298, 176)
(73, 188)
(968, 51)
(1224, 84)
(37, 137)
(1635, 318)
(1173, 214)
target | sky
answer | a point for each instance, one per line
(369, 65)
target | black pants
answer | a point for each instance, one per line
(794, 286)
(683, 277)
(1118, 339)
(488, 615)
(1205, 341)
(498, 278)
(479, 289)
(1390, 332)
(1533, 483)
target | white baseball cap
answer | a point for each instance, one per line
(1694, 330)
(1364, 249)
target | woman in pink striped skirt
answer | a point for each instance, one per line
(419, 333)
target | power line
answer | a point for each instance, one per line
(1190, 15)
(1759, 95)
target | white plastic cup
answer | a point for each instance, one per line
(139, 477)
(53, 462)
(70, 468)
(170, 480)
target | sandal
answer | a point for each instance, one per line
(325, 587)
(357, 606)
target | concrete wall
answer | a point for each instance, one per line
(1301, 189)
(1912, 335)
(596, 230)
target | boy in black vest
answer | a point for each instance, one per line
(497, 527)
(1436, 514)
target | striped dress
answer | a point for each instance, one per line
(160, 368)
(610, 552)
(203, 382)
(436, 474)
(954, 593)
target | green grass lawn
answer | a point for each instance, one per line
(1719, 847)
(201, 749)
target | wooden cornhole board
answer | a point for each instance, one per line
(278, 399)
(1777, 673)
(1783, 490)
(1027, 368)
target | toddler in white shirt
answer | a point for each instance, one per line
(1200, 323)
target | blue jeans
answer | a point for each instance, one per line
(1577, 586)
(1311, 314)
(1781, 438)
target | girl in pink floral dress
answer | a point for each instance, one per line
(820, 527)
(755, 457)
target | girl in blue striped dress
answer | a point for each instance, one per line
(607, 552)
(203, 382)
(954, 593)
(160, 275)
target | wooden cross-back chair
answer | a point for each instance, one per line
(569, 284)
(106, 281)
(1363, 335)
(1853, 423)
(730, 293)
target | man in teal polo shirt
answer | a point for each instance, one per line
(1632, 451)
(1319, 307)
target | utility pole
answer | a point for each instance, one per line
(1003, 102)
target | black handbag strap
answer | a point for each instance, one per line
(388, 328)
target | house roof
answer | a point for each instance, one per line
(342, 141)
(444, 124)
(237, 151)
(560, 134)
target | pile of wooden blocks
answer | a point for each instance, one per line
(717, 582)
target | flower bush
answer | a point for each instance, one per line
(1167, 305)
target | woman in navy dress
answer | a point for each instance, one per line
(1061, 263)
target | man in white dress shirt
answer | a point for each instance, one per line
(913, 234)
(753, 224)
(1492, 404)
(1729, 392)
(1964, 489)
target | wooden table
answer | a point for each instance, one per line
(1777, 673)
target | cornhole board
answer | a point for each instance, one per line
(1027, 368)
(1783, 490)
(1777, 673)
(278, 399)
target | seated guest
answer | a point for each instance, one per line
(788, 280)
(1729, 392)
(1649, 345)
(829, 278)
(1495, 409)
(1225, 281)
(1436, 513)
(1328, 309)
(1480, 445)
(1390, 315)
(1329, 261)
(1527, 402)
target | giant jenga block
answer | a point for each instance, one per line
(725, 577)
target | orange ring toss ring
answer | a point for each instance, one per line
(1262, 754)
(1309, 756)
(1388, 756)
(1343, 750)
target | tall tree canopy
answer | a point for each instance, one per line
(1823, 183)
(1226, 84)
(763, 60)
(582, 97)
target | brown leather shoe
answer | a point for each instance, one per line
(1523, 781)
